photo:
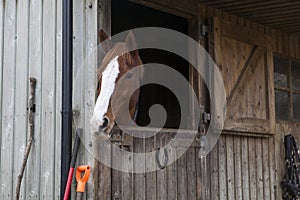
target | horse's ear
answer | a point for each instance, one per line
(130, 41)
(106, 43)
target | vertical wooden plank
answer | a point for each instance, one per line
(292, 45)
(58, 89)
(270, 86)
(206, 181)
(222, 168)
(2, 7)
(272, 168)
(210, 11)
(266, 168)
(279, 150)
(21, 90)
(233, 19)
(182, 176)
(274, 40)
(280, 42)
(127, 177)
(268, 31)
(35, 65)
(218, 13)
(245, 169)
(48, 100)
(225, 16)
(150, 146)
(8, 110)
(261, 29)
(79, 75)
(217, 48)
(102, 173)
(191, 173)
(161, 174)
(116, 175)
(230, 167)
(90, 81)
(139, 178)
(214, 173)
(286, 44)
(252, 168)
(172, 190)
(241, 21)
(79, 53)
(238, 167)
(259, 169)
(297, 43)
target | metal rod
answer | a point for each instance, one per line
(67, 72)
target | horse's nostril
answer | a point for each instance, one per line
(105, 123)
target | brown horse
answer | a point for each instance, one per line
(117, 62)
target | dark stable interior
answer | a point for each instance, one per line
(127, 15)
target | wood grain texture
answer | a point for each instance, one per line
(58, 90)
(35, 63)
(22, 47)
(48, 100)
(139, 178)
(8, 110)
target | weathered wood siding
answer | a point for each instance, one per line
(248, 160)
(84, 79)
(251, 166)
(31, 45)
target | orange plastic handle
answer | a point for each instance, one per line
(86, 169)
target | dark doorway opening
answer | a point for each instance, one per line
(128, 15)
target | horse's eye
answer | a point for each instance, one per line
(128, 75)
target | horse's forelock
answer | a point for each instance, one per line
(121, 50)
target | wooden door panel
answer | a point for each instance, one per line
(244, 60)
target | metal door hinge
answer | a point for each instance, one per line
(203, 29)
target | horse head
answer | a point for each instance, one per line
(116, 63)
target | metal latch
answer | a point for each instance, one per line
(206, 117)
(118, 137)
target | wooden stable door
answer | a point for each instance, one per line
(244, 57)
(185, 177)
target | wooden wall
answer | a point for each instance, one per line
(248, 161)
(241, 166)
(84, 80)
(251, 166)
(31, 45)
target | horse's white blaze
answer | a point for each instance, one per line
(108, 81)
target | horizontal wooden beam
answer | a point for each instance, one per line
(185, 9)
(287, 28)
(294, 25)
(239, 4)
(215, 2)
(280, 20)
(291, 30)
(248, 125)
(268, 7)
(240, 33)
(268, 15)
